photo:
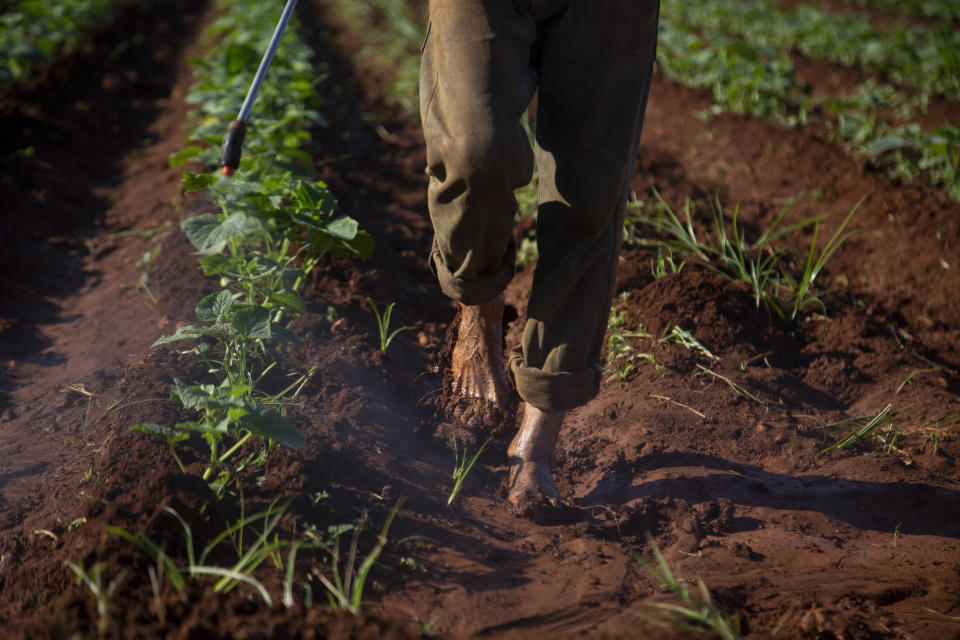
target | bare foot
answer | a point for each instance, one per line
(530, 488)
(477, 359)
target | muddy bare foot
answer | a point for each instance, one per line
(477, 359)
(531, 492)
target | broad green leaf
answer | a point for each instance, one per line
(266, 422)
(185, 154)
(214, 264)
(284, 336)
(252, 322)
(209, 235)
(170, 435)
(363, 245)
(213, 307)
(199, 228)
(197, 181)
(882, 145)
(289, 299)
(188, 332)
(342, 227)
(190, 397)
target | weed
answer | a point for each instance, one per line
(729, 254)
(619, 350)
(696, 609)
(346, 591)
(802, 292)
(249, 558)
(383, 325)
(909, 379)
(94, 580)
(462, 467)
(686, 340)
(664, 263)
(856, 429)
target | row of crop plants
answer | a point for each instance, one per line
(34, 31)
(942, 9)
(741, 50)
(263, 233)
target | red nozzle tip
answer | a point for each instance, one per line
(227, 172)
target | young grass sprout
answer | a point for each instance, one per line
(346, 590)
(462, 467)
(728, 253)
(696, 610)
(94, 580)
(383, 325)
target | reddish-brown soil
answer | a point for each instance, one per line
(718, 459)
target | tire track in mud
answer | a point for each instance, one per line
(88, 212)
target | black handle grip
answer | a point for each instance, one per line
(232, 147)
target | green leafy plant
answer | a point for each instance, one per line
(741, 50)
(696, 610)
(462, 467)
(227, 412)
(33, 31)
(383, 324)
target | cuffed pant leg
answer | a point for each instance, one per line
(475, 83)
(594, 74)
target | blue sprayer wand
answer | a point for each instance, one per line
(233, 140)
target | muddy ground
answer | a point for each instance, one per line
(717, 458)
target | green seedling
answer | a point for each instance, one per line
(861, 427)
(909, 379)
(664, 264)
(696, 610)
(228, 412)
(265, 546)
(622, 357)
(686, 340)
(94, 580)
(462, 467)
(803, 293)
(346, 590)
(383, 325)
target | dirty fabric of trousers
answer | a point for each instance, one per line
(589, 63)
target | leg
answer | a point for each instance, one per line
(590, 112)
(476, 83)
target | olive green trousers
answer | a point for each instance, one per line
(589, 63)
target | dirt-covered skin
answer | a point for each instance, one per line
(718, 459)
(476, 363)
(531, 492)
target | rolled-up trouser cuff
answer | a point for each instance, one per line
(549, 391)
(474, 291)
